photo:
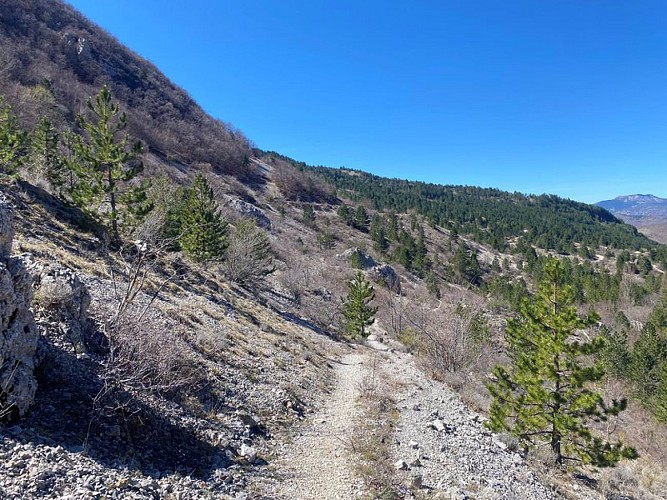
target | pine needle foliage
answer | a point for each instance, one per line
(203, 230)
(248, 258)
(106, 162)
(13, 140)
(46, 158)
(357, 311)
(544, 398)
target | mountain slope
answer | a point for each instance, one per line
(52, 59)
(251, 363)
(493, 216)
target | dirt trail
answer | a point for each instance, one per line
(317, 465)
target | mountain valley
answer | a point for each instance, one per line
(195, 317)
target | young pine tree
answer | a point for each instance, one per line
(13, 140)
(544, 398)
(203, 230)
(378, 234)
(45, 157)
(357, 311)
(106, 163)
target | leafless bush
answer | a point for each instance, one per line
(449, 336)
(214, 340)
(248, 258)
(144, 352)
(297, 185)
(144, 356)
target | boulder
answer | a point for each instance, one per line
(366, 260)
(61, 305)
(251, 211)
(18, 330)
(388, 276)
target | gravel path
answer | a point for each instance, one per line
(441, 448)
(317, 465)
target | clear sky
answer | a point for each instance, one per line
(560, 96)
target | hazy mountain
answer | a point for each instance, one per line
(636, 206)
(646, 212)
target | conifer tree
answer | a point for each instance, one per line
(45, 156)
(107, 162)
(357, 311)
(544, 398)
(248, 257)
(361, 219)
(203, 230)
(308, 216)
(392, 226)
(649, 352)
(13, 140)
(378, 234)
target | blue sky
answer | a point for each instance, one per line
(558, 96)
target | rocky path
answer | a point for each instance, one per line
(441, 447)
(317, 465)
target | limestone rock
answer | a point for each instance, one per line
(252, 212)
(18, 331)
(366, 260)
(387, 275)
(62, 301)
(401, 465)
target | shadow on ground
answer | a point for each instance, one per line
(121, 431)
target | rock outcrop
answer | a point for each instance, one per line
(365, 260)
(61, 305)
(388, 276)
(18, 331)
(251, 211)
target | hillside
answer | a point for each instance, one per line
(52, 59)
(492, 216)
(208, 353)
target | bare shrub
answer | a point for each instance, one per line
(144, 356)
(214, 340)
(449, 336)
(248, 257)
(144, 351)
(298, 185)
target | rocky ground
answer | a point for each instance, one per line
(317, 462)
(440, 447)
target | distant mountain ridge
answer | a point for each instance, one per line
(637, 206)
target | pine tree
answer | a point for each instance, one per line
(649, 352)
(660, 400)
(543, 398)
(361, 219)
(308, 216)
(45, 156)
(345, 213)
(13, 140)
(107, 162)
(357, 312)
(203, 230)
(378, 234)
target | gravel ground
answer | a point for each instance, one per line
(316, 465)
